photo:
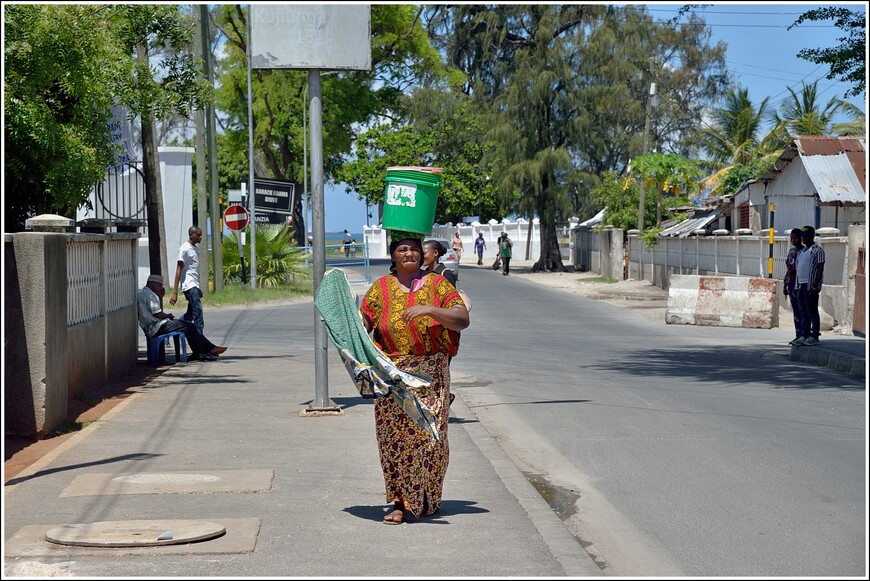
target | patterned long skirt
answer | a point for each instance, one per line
(414, 464)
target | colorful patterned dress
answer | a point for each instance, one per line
(414, 464)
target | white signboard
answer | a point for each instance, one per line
(311, 36)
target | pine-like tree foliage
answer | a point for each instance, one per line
(563, 92)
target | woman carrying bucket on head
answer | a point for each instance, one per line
(457, 247)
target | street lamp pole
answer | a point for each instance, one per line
(649, 105)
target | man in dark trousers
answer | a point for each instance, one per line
(347, 241)
(155, 322)
(789, 283)
(505, 247)
(810, 271)
(187, 275)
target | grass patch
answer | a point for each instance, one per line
(69, 426)
(606, 279)
(233, 294)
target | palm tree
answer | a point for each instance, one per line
(857, 127)
(279, 261)
(801, 114)
(733, 138)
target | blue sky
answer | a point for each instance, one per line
(761, 55)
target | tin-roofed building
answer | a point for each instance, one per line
(818, 181)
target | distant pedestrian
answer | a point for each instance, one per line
(347, 241)
(457, 247)
(505, 247)
(789, 283)
(154, 322)
(810, 271)
(479, 247)
(187, 274)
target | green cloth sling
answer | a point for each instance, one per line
(373, 373)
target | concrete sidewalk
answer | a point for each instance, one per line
(298, 494)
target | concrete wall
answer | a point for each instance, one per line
(35, 338)
(101, 350)
(601, 252)
(52, 352)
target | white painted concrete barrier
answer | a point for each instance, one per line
(722, 301)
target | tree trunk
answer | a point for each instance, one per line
(153, 192)
(551, 256)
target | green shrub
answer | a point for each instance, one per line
(279, 261)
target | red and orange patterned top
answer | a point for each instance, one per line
(382, 308)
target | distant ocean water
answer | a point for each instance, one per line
(339, 236)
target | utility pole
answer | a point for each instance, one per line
(252, 198)
(217, 254)
(200, 46)
(649, 105)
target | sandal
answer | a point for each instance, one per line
(396, 517)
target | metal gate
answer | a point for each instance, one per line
(120, 198)
(859, 314)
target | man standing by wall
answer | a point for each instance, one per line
(187, 273)
(810, 271)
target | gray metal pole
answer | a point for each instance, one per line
(321, 389)
(214, 205)
(251, 210)
(305, 191)
(200, 46)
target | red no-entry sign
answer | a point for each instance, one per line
(236, 217)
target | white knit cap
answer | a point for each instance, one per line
(155, 278)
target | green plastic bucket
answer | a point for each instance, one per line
(411, 197)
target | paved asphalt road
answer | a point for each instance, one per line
(688, 450)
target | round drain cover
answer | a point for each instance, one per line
(166, 478)
(134, 533)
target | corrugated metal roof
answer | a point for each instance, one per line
(825, 145)
(834, 178)
(818, 147)
(687, 227)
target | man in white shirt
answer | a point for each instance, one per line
(155, 322)
(187, 274)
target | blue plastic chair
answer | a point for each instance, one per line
(155, 343)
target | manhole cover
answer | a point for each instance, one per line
(134, 533)
(167, 478)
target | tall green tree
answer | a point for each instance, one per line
(165, 80)
(665, 174)
(735, 139)
(804, 115)
(441, 130)
(564, 90)
(61, 64)
(734, 135)
(848, 60)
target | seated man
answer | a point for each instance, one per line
(155, 322)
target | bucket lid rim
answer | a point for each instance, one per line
(416, 168)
